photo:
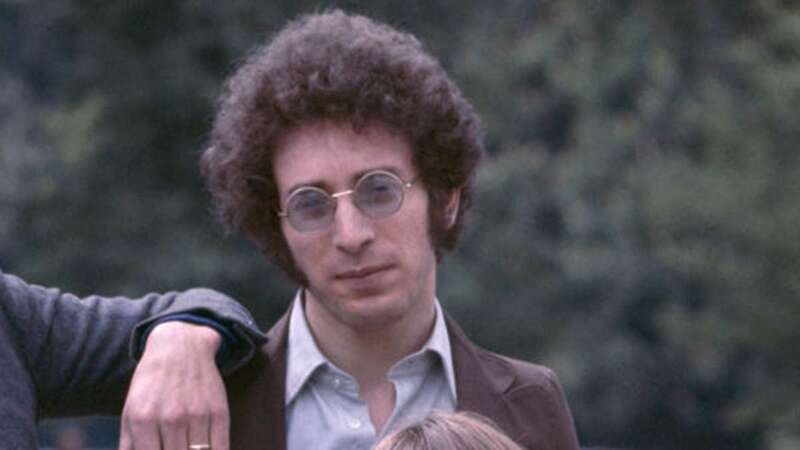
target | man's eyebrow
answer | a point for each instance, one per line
(320, 184)
(314, 183)
(391, 169)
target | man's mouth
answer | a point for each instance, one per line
(361, 272)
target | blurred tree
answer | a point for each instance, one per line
(656, 229)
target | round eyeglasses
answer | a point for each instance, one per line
(376, 194)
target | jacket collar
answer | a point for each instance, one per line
(257, 392)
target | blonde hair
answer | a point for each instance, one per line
(449, 431)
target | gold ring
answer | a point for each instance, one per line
(199, 447)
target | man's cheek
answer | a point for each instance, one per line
(299, 263)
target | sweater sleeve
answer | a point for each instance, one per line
(77, 350)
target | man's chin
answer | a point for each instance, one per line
(367, 306)
(372, 321)
(373, 308)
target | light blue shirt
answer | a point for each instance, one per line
(323, 409)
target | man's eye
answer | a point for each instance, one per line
(378, 188)
(310, 203)
(381, 193)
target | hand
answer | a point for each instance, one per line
(177, 397)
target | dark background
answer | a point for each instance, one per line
(636, 227)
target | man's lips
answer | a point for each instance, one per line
(361, 272)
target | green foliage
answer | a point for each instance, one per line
(635, 224)
(654, 239)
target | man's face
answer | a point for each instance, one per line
(362, 272)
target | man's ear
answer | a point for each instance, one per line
(451, 208)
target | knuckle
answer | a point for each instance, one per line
(139, 416)
(174, 418)
(219, 414)
(196, 417)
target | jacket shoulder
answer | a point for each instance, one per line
(520, 374)
(535, 400)
(532, 374)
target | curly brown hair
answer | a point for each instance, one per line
(338, 66)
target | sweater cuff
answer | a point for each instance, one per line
(224, 358)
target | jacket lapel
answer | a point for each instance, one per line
(482, 382)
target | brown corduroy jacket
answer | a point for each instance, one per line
(523, 399)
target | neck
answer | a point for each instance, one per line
(368, 352)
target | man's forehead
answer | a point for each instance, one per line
(319, 152)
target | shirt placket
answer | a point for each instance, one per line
(352, 412)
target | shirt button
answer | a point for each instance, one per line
(337, 382)
(354, 423)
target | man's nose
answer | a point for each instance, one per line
(352, 230)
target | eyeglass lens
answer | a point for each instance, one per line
(376, 195)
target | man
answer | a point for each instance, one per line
(65, 356)
(344, 151)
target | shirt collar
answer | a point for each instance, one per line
(304, 357)
(439, 343)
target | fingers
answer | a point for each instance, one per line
(220, 430)
(177, 431)
(199, 431)
(125, 440)
(174, 436)
(140, 434)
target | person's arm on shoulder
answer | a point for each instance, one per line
(75, 353)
